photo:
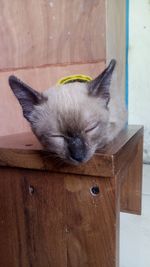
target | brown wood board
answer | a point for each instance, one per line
(24, 151)
(53, 220)
(39, 33)
(116, 42)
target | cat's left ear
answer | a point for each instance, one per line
(99, 87)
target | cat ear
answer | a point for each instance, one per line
(100, 85)
(26, 96)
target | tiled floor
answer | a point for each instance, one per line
(135, 231)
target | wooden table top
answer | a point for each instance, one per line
(24, 151)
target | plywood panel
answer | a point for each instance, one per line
(11, 119)
(53, 220)
(32, 226)
(116, 42)
(131, 188)
(35, 33)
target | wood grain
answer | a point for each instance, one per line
(41, 32)
(11, 118)
(131, 181)
(92, 222)
(33, 217)
(15, 152)
(50, 217)
(116, 42)
(53, 220)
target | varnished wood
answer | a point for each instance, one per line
(37, 33)
(39, 79)
(131, 182)
(33, 219)
(51, 219)
(23, 150)
(92, 222)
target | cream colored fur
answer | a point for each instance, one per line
(72, 121)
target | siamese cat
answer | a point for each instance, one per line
(73, 120)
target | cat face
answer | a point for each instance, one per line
(69, 120)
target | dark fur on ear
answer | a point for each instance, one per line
(26, 96)
(100, 85)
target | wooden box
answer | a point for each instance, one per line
(66, 216)
(51, 215)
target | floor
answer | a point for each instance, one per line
(135, 231)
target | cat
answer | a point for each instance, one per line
(73, 120)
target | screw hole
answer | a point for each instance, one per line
(94, 190)
(31, 190)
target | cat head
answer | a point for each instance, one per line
(69, 120)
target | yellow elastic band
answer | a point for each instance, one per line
(71, 78)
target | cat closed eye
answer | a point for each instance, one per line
(57, 136)
(92, 128)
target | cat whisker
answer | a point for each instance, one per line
(58, 159)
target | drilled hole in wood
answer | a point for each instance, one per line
(28, 145)
(31, 190)
(94, 190)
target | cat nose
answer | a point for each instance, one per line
(77, 157)
(77, 149)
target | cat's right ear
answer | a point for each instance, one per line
(26, 96)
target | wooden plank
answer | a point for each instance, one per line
(54, 220)
(11, 118)
(126, 154)
(32, 159)
(32, 225)
(92, 222)
(131, 181)
(23, 150)
(41, 32)
(116, 42)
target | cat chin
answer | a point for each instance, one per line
(76, 163)
(71, 161)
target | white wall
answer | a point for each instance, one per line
(139, 68)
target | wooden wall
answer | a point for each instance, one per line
(44, 40)
(116, 42)
(41, 32)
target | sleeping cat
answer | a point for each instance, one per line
(73, 120)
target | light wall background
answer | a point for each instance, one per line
(139, 68)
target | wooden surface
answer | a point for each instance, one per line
(116, 42)
(40, 79)
(53, 220)
(23, 150)
(131, 181)
(45, 32)
(50, 217)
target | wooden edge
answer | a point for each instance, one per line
(127, 151)
(105, 164)
(136, 212)
(97, 166)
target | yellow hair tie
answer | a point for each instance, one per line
(71, 78)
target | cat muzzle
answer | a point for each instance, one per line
(77, 149)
